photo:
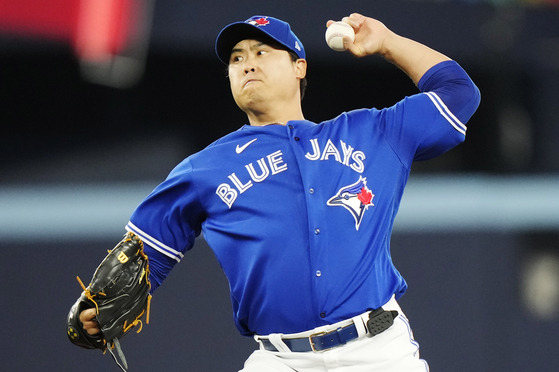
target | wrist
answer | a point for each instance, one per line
(390, 46)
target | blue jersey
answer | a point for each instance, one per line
(300, 215)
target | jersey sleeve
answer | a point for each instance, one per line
(168, 221)
(432, 122)
(452, 85)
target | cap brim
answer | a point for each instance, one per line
(235, 32)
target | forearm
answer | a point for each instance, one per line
(412, 57)
(373, 37)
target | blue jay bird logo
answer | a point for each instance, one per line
(356, 198)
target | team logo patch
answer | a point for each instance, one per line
(355, 198)
(263, 21)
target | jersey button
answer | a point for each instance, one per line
(323, 315)
(316, 231)
(318, 273)
(290, 126)
(296, 138)
(311, 191)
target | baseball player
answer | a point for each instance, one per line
(299, 214)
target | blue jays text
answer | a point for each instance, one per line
(273, 164)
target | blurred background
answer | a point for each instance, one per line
(100, 99)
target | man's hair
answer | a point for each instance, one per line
(303, 82)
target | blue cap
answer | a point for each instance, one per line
(255, 28)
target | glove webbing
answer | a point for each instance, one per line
(116, 345)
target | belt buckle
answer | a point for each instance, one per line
(313, 348)
(313, 345)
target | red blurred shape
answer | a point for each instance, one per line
(49, 18)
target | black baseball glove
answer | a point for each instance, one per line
(119, 292)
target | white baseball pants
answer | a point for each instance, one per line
(392, 350)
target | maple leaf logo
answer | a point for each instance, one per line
(260, 21)
(365, 196)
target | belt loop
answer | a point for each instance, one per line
(360, 324)
(259, 340)
(275, 339)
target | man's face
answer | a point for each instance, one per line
(262, 75)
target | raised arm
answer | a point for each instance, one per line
(373, 37)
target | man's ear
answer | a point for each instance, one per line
(301, 68)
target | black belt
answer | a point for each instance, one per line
(379, 321)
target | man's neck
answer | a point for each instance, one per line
(261, 119)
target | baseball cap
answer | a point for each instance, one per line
(256, 27)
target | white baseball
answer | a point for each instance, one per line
(335, 35)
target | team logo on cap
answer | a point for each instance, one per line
(355, 198)
(262, 21)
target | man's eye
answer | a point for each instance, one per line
(261, 52)
(236, 58)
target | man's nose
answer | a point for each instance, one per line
(250, 65)
(249, 68)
